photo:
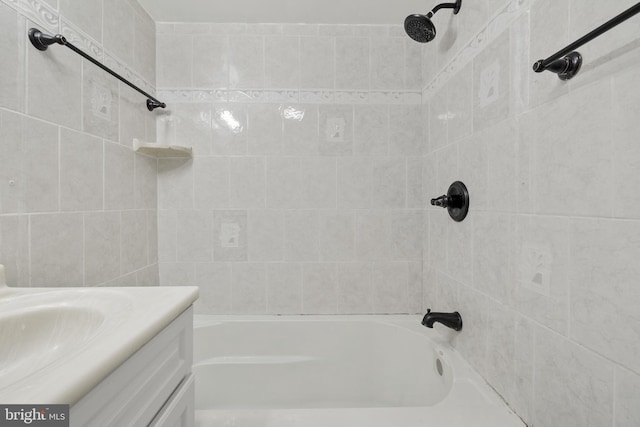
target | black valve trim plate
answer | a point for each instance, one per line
(459, 206)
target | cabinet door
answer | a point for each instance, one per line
(179, 410)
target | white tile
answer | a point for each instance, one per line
(406, 235)
(100, 104)
(177, 274)
(387, 63)
(318, 183)
(101, 247)
(392, 287)
(167, 235)
(416, 196)
(194, 233)
(86, 15)
(230, 239)
(337, 236)
(355, 182)
(352, 63)
(81, 163)
(266, 235)
(211, 176)
(541, 262)
(373, 236)
(249, 288)
(626, 153)
(317, 62)
(319, 288)
(229, 127)
(174, 60)
(148, 276)
(14, 249)
(283, 184)
(152, 236)
(246, 62)
(389, 182)
(491, 84)
(563, 369)
(211, 64)
(119, 177)
(12, 46)
(459, 249)
(501, 142)
(438, 119)
(284, 288)
(175, 184)
(56, 246)
(406, 136)
(214, 281)
(336, 130)
(460, 104)
(301, 130)
(146, 191)
(355, 288)
(473, 170)
(626, 398)
(282, 62)
(371, 130)
(144, 47)
(492, 270)
(549, 32)
(447, 167)
(302, 237)
(582, 161)
(193, 127)
(118, 29)
(265, 129)
(412, 65)
(130, 109)
(438, 242)
(471, 341)
(134, 247)
(29, 165)
(247, 182)
(604, 292)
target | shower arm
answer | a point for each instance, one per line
(566, 63)
(455, 6)
(42, 41)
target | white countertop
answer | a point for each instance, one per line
(56, 344)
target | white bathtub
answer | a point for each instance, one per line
(335, 371)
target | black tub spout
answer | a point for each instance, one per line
(450, 320)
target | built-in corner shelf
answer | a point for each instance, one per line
(160, 150)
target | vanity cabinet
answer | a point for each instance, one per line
(153, 387)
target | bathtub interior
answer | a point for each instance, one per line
(302, 362)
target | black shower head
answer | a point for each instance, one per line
(421, 29)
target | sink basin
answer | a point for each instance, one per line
(56, 344)
(35, 338)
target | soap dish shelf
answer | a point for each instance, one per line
(160, 150)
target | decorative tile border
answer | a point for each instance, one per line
(500, 23)
(36, 11)
(252, 96)
(42, 14)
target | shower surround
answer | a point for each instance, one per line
(304, 194)
(544, 269)
(77, 206)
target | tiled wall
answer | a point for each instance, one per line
(77, 206)
(304, 194)
(545, 268)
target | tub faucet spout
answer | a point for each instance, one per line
(450, 320)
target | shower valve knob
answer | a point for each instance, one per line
(442, 201)
(456, 201)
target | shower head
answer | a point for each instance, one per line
(421, 29)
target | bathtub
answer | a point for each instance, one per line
(336, 371)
